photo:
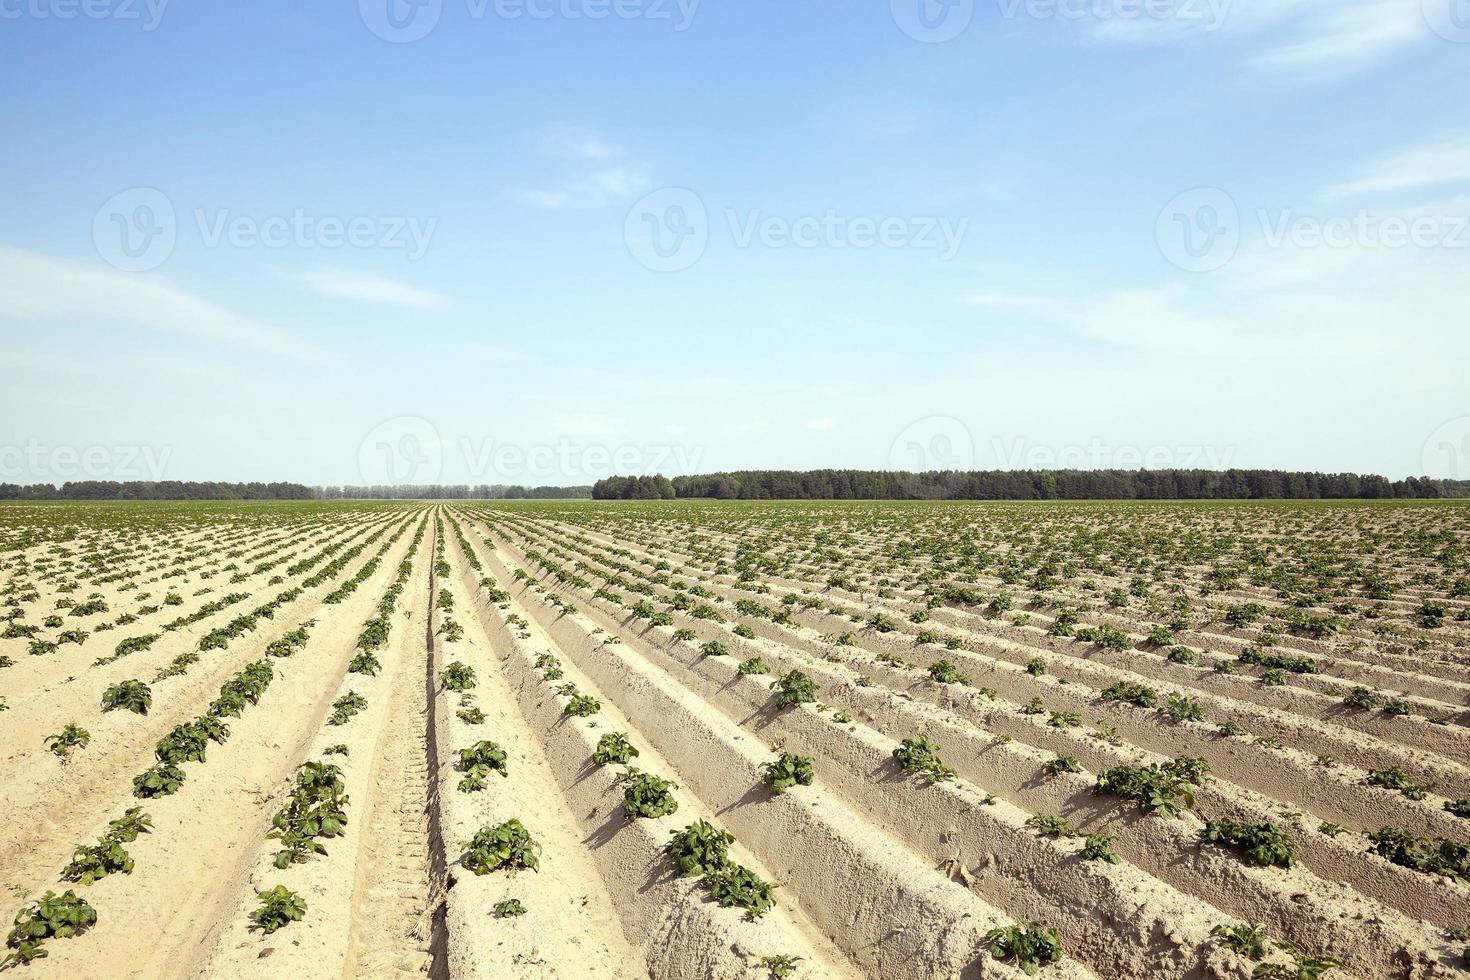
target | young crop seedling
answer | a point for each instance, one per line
(1138, 695)
(944, 672)
(1431, 855)
(793, 689)
(735, 886)
(1248, 939)
(1302, 966)
(163, 779)
(1030, 947)
(477, 762)
(507, 847)
(345, 707)
(646, 795)
(781, 966)
(279, 907)
(457, 677)
(1061, 764)
(614, 747)
(365, 663)
(130, 695)
(1395, 778)
(93, 861)
(52, 917)
(920, 757)
(1063, 719)
(70, 737)
(700, 849)
(787, 771)
(755, 665)
(583, 706)
(1260, 844)
(1181, 708)
(1052, 826)
(1153, 788)
(508, 909)
(1099, 847)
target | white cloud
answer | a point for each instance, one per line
(597, 189)
(1321, 37)
(1284, 305)
(674, 429)
(372, 289)
(821, 425)
(40, 287)
(1423, 166)
(576, 143)
(552, 200)
(605, 185)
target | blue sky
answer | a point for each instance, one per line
(550, 239)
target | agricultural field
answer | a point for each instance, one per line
(736, 740)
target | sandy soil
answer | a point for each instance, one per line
(881, 874)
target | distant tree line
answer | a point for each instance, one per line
(816, 485)
(155, 490)
(1028, 485)
(637, 488)
(453, 492)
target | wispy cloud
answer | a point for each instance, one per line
(597, 189)
(1423, 166)
(1283, 305)
(821, 425)
(608, 183)
(41, 287)
(372, 289)
(1307, 38)
(576, 143)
